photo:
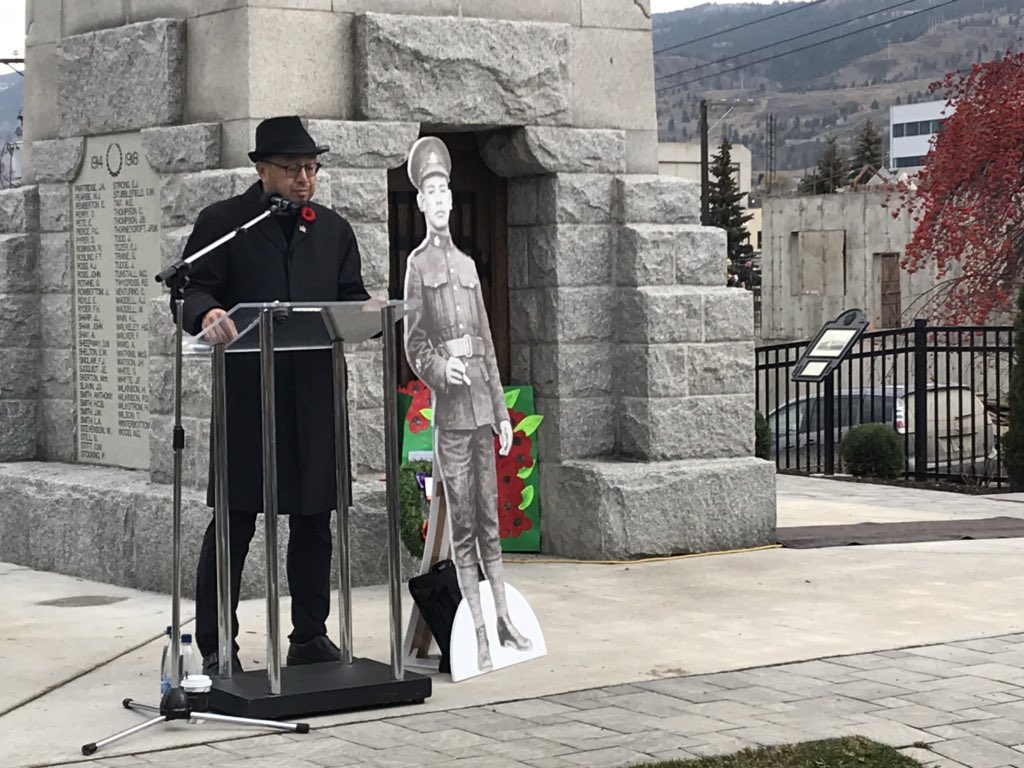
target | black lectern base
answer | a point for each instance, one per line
(317, 689)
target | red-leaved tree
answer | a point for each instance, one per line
(968, 202)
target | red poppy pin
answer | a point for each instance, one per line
(308, 214)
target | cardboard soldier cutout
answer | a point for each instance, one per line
(448, 345)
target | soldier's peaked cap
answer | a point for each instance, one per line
(428, 156)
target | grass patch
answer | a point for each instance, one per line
(852, 752)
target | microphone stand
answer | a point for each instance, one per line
(174, 704)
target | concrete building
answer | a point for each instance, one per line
(604, 292)
(682, 160)
(824, 254)
(911, 128)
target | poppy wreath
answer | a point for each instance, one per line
(414, 508)
(308, 214)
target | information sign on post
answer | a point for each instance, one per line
(830, 346)
(818, 362)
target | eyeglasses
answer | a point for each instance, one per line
(291, 171)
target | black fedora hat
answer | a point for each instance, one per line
(284, 136)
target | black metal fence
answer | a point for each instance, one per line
(942, 388)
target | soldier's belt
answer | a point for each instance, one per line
(465, 346)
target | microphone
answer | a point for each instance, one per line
(279, 203)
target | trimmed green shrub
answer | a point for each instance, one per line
(411, 500)
(873, 450)
(762, 437)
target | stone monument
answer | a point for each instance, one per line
(138, 114)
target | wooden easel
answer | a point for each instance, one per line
(418, 647)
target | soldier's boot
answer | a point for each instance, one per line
(508, 635)
(469, 580)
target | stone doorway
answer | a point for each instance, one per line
(478, 227)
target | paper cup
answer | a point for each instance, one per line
(197, 690)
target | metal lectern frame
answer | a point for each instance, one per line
(267, 328)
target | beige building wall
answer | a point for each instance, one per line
(682, 160)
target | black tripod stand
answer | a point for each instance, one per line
(175, 705)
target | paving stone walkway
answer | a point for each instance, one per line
(958, 704)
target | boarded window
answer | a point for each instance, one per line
(818, 263)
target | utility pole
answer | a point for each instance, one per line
(704, 197)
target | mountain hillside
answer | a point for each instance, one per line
(12, 95)
(831, 89)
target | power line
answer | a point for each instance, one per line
(738, 26)
(787, 40)
(806, 47)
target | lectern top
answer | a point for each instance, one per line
(305, 325)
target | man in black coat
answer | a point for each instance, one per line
(311, 255)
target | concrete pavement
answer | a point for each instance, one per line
(947, 705)
(658, 629)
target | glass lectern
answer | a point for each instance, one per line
(264, 329)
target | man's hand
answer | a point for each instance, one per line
(375, 303)
(224, 332)
(504, 438)
(455, 371)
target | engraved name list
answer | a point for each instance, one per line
(116, 245)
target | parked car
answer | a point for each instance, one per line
(961, 438)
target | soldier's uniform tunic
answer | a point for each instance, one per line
(453, 323)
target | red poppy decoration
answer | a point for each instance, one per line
(520, 453)
(308, 214)
(510, 484)
(420, 394)
(414, 388)
(521, 524)
(512, 523)
(510, 496)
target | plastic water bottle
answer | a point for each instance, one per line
(189, 660)
(165, 664)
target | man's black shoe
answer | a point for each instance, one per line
(314, 651)
(211, 664)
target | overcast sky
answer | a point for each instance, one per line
(12, 29)
(12, 20)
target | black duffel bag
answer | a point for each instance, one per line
(437, 596)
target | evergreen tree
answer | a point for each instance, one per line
(867, 150)
(809, 184)
(724, 196)
(831, 168)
